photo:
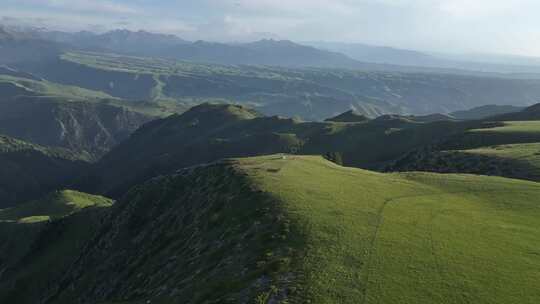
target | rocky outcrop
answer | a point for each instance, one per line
(88, 128)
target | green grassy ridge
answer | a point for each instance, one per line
(513, 127)
(472, 161)
(47, 88)
(406, 238)
(498, 133)
(526, 156)
(55, 205)
(498, 148)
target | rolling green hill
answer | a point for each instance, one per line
(296, 229)
(210, 132)
(524, 157)
(406, 226)
(504, 148)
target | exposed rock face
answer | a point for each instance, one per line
(88, 128)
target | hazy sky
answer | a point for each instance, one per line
(504, 26)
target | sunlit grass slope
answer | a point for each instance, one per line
(53, 206)
(511, 132)
(47, 88)
(367, 237)
(514, 127)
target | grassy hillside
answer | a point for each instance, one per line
(297, 229)
(508, 132)
(373, 238)
(210, 132)
(508, 148)
(523, 156)
(29, 171)
(513, 127)
(47, 88)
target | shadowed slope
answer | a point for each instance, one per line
(40, 239)
(29, 171)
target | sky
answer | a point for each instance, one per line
(458, 26)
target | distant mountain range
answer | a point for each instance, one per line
(122, 41)
(485, 111)
(281, 53)
(380, 54)
(519, 65)
(142, 43)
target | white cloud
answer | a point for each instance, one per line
(86, 6)
(485, 8)
(441, 25)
